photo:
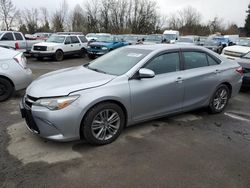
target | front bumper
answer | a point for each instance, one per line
(97, 53)
(41, 54)
(61, 125)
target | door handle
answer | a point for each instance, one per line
(179, 80)
(71, 45)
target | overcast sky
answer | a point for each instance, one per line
(232, 11)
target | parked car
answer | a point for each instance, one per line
(69, 33)
(16, 40)
(225, 41)
(103, 45)
(154, 39)
(95, 36)
(14, 74)
(189, 40)
(41, 36)
(171, 36)
(127, 86)
(244, 61)
(202, 41)
(213, 45)
(58, 46)
(237, 51)
(131, 39)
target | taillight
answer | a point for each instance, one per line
(17, 45)
(21, 60)
(239, 70)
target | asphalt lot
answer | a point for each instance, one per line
(195, 149)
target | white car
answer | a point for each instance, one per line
(58, 46)
(95, 36)
(14, 74)
(237, 51)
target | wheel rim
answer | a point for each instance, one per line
(105, 124)
(3, 89)
(220, 99)
(59, 55)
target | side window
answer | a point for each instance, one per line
(195, 60)
(18, 36)
(212, 61)
(8, 36)
(74, 40)
(68, 40)
(165, 63)
(83, 39)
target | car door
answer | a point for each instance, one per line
(8, 39)
(68, 47)
(201, 77)
(162, 94)
(76, 44)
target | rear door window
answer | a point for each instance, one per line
(83, 39)
(7, 37)
(18, 36)
(68, 40)
(74, 40)
(195, 59)
(212, 61)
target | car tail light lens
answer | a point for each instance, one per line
(21, 60)
(17, 45)
(239, 70)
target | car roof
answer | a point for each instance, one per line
(164, 47)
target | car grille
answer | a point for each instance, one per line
(40, 48)
(27, 102)
(233, 54)
(96, 47)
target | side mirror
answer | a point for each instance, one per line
(146, 73)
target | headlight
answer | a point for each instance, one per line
(57, 103)
(88, 47)
(104, 48)
(49, 48)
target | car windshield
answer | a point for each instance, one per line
(188, 40)
(118, 61)
(130, 38)
(105, 39)
(56, 39)
(247, 56)
(170, 36)
(244, 42)
(154, 38)
(211, 42)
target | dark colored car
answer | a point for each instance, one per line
(245, 63)
(104, 45)
(213, 45)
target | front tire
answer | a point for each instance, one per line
(82, 53)
(219, 100)
(103, 124)
(59, 55)
(6, 89)
(91, 56)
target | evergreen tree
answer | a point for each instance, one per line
(247, 21)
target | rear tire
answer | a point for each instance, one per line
(219, 100)
(6, 89)
(59, 55)
(103, 123)
(91, 56)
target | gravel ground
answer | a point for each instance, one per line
(195, 149)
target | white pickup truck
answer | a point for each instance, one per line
(58, 46)
(16, 40)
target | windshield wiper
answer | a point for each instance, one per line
(94, 69)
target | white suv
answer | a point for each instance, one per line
(57, 46)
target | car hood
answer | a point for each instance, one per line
(238, 49)
(244, 62)
(106, 44)
(66, 81)
(47, 44)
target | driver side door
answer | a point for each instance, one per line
(161, 95)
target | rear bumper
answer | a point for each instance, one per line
(23, 80)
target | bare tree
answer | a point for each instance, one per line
(59, 17)
(31, 18)
(78, 20)
(8, 13)
(216, 25)
(45, 19)
(92, 9)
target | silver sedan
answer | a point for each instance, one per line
(127, 86)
